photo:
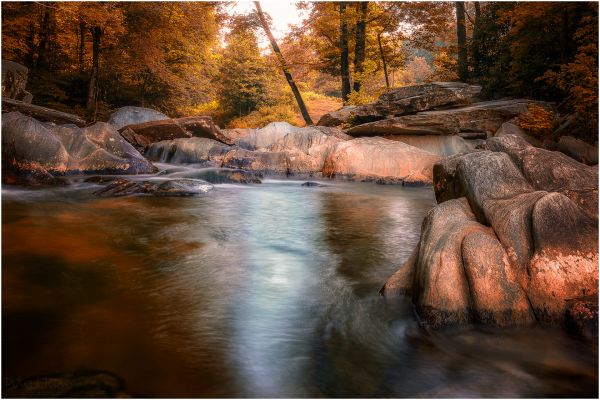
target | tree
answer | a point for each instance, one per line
(344, 63)
(283, 65)
(461, 40)
(359, 46)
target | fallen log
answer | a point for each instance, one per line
(41, 113)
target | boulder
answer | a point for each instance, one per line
(46, 149)
(276, 163)
(41, 113)
(144, 134)
(350, 116)
(579, 150)
(510, 128)
(486, 116)
(411, 99)
(155, 187)
(187, 150)
(134, 115)
(462, 273)
(237, 133)
(14, 81)
(524, 220)
(379, 158)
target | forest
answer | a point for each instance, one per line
(190, 58)
(329, 199)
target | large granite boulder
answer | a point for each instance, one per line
(486, 116)
(379, 158)
(262, 138)
(186, 150)
(33, 147)
(411, 99)
(131, 115)
(144, 134)
(511, 128)
(14, 81)
(511, 218)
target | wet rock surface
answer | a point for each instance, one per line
(32, 148)
(82, 384)
(179, 187)
(511, 240)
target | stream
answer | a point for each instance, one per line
(264, 290)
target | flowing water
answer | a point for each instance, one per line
(266, 290)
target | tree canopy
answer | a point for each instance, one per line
(186, 58)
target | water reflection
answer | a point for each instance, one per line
(249, 291)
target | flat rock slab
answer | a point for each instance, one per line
(144, 134)
(130, 115)
(411, 99)
(486, 116)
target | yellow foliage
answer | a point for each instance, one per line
(265, 115)
(538, 121)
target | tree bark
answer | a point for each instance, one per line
(461, 36)
(93, 87)
(344, 63)
(476, 47)
(382, 53)
(283, 65)
(44, 33)
(81, 52)
(360, 39)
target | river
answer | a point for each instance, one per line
(266, 290)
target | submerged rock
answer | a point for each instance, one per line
(312, 184)
(134, 115)
(379, 158)
(83, 384)
(156, 187)
(510, 225)
(220, 175)
(34, 148)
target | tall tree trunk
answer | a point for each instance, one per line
(44, 33)
(344, 63)
(382, 54)
(81, 45)
(93, 87)
(283, 65)
(30, 40)
(359, 48)
(476, 47)
(461, 36)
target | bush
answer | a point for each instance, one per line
(538, 121)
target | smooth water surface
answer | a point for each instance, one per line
(266, 290)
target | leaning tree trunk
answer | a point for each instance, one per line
(93, 87)
(461, 36)
(382, 54)
(344, 63)
(359, 48)
(283, 65)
